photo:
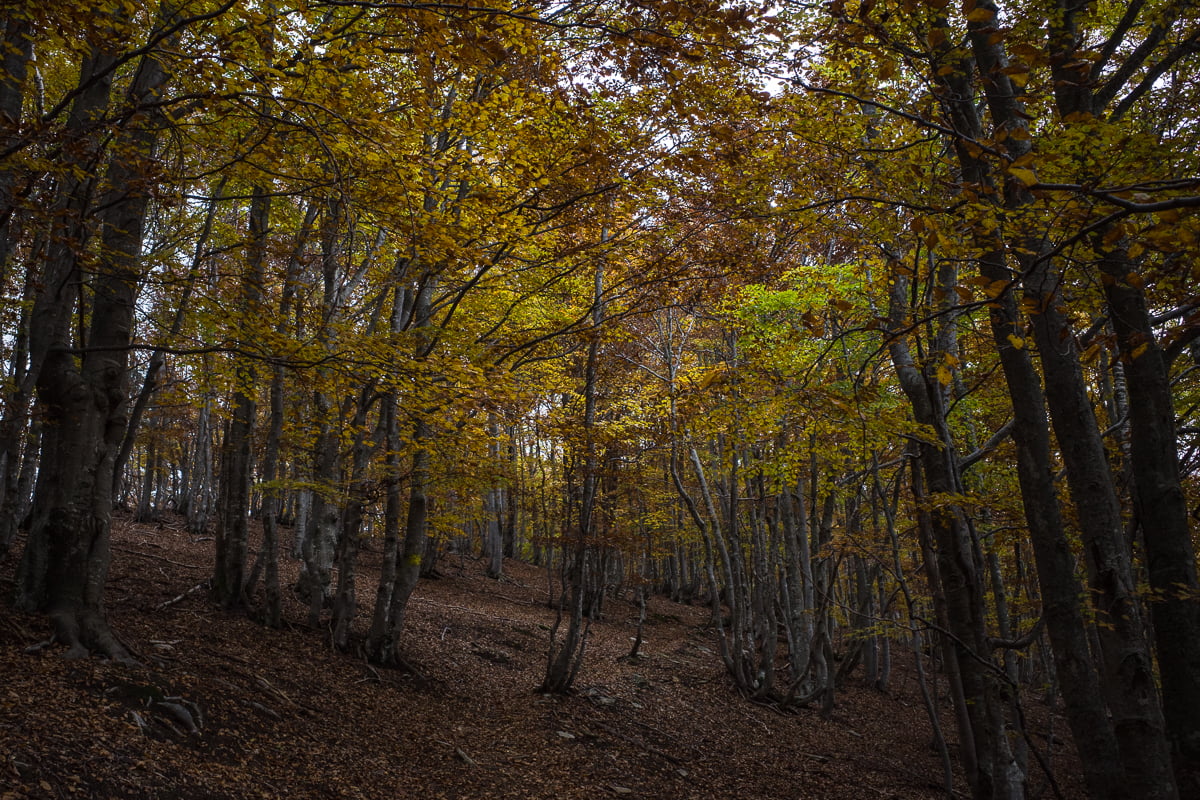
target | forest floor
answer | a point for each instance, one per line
(280, 714)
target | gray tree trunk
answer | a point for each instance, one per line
(1160, 505)
(233, 535)
(65, 564)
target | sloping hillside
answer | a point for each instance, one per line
(279, 714)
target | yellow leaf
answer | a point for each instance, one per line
(944, 375)
(1025, 176)
(1114, 234)
(981, 15)
(1016, 341)
(996, 288)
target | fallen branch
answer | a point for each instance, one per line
(156, 558)
(178, 599)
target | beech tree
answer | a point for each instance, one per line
(872, 326)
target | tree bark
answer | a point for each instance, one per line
(233, 543)
(1084, 692)
(1160, 506)
(958, 569)
(65, 565)
(345, 601)
(14, 68)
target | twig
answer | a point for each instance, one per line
(375, 676)
(175, 600)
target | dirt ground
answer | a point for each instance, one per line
(278, 713)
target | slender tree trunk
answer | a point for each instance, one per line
(408, 568)
(1160, 505)
(150, 469)
(272, 494)
(493, 507)
(379, 645)
(566, 656)
(959, 571)
(345, 602)
(233, 535)
(18, 434)
(200, 488)
(411, 553)
(321, 539)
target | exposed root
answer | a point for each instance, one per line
(86, 632)
(183, 711)
(140, 722)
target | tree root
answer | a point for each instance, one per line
(86, 632)
(182, 710)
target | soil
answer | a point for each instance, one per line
(226, 708)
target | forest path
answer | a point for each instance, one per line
(279, 714)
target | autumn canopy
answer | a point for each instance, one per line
(872, 326)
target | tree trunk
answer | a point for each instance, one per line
(321, 538)
(1129, 681)
(959, 571)
(65, 565)
(566, 656)
(199, 490)
(411, 554)
(1130, 685)
(1160, 505)
(272, 494)
(379, 645)
(1083, 691)
(14, 67)
(229, 574)
(345, 601)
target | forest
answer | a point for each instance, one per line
(867, 330)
